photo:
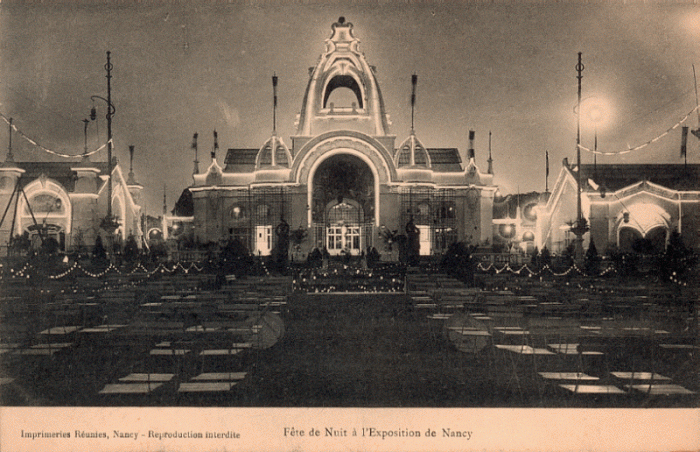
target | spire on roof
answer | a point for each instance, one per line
(216, 145)
(274, 153)
(196, 158)
(131, 180)
(412, 153)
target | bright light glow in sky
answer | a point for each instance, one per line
(509, 68)
(597, 114)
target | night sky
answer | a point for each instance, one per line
(509, 68)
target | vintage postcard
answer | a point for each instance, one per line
(367, 225)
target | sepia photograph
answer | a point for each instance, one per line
(349, 225)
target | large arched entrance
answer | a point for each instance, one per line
(343, 202)
(44, 213)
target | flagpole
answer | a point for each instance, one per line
(684, 145)
(274, 104)
(546, 171)
(414, 81)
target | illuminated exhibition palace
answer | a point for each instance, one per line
(343, 177)
(346, 181)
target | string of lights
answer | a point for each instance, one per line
(25, 271)
(162, 268)
(647, 143)
(525, 268)
(50, 151)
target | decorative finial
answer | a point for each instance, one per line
(131, 179)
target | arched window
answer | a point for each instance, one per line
(45, 203)
(48, 204)
(345, 212)
(238, 212)
(422, 213)
(347, 90)
(262, 212)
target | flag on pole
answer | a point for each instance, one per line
(414, 80)
(216, 145)
(684, 141)
(274, 88)
(546, 157)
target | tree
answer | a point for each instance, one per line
(158, 251)
(131, 250)
(567, 257)
(49, 246)
(545, 257)
(625, 263)
(315, 258)
(20, 244)
(592, 260)
(298, 237)
(536, 259)
(458, 261)
(373, 256)
(99, 253)
(674, 263)
(235, 258)
(677, 258)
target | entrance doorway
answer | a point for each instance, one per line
(263, 240)
(343, 205)
(343, 234)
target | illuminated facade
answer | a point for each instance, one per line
(342, 179)
(624, 203)
(515, 222)
(66, 201)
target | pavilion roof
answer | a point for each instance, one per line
(617, 176)
(61, 172)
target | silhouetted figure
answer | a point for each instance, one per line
(282, 232)
(413, 234)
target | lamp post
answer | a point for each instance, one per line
(85, 148)
(109, 222)
(581, 226)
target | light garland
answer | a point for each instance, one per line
(45, 149)
(531, 272)
(643, 145)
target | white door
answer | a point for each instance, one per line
(425, 240)
(263, 240)
(341, 238)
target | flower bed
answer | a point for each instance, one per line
(346, 279)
